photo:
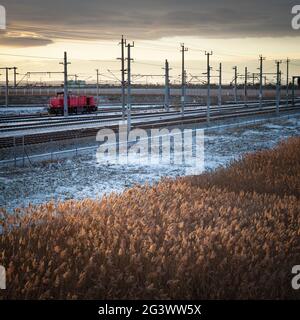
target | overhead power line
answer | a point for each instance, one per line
(27, 56)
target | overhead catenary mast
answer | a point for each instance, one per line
(287, 80)
(220, 87)
(97, 71)
(261, 59)
(66, 92)
(167, 85)
(123, 70)
(129, 59)
(208, 54)
(183, 78)
(235, 83)
(278, 85)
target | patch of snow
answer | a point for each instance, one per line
(21, 110)
(80, 177)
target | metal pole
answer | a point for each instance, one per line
(287, 81)
(220, 87)
(277, 86)
(66, 93)
(246, 84)
(183, 79)
(97, 70)
(208, 54)
(235, 83)
(129, 46)
(15, 76)
(123, 82)
(293, 91)
(261, 59)
(65, 84)
(167, 86)
(6, 87)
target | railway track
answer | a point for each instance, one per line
(136, 108)
(101, 110)
(142, 122)
(59, 121)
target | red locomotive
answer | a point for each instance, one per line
(76, 104)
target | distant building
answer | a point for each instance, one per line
(77, 83)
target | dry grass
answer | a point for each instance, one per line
(179, 239)
(274, 171)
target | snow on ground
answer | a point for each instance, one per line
(5, 111)
(82, 176)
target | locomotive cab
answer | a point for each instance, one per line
(76, 104)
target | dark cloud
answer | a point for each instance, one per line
(94, 19)
(23, 41)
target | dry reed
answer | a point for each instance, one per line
(233, 233)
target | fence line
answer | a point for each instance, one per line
(78, 150)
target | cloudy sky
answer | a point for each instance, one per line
(236, 30)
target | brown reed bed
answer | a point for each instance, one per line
(207, 237)
(274, 171)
